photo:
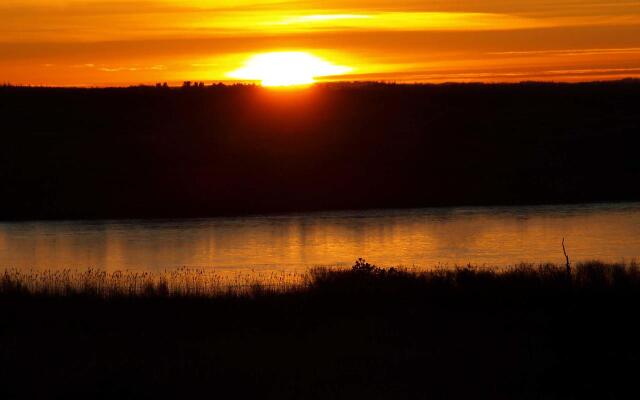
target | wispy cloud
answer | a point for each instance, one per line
(571, 52)
(121, 68)
(132, 68)
(66, 41)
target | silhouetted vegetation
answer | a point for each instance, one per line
(368, 332)
(170, 152)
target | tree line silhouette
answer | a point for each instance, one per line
(145, 152)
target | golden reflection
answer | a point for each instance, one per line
(423, 238)
(286, 69)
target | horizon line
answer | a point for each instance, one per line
(210, 84)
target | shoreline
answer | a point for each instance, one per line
(360, 333)
(209, 283)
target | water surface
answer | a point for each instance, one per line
(294, 242)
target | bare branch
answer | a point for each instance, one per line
(567, 257)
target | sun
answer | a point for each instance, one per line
(289, 68)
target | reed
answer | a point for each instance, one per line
(362, 276)
(524, 331)
(181, 282)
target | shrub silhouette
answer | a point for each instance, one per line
(362, 266)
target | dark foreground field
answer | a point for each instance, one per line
(524, 333)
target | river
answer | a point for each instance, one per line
(490, 236)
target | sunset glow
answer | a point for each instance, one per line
(286, 69)
(124, 42)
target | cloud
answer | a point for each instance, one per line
(571, 52)
(82, 41)
(134, 68)
(97, 20)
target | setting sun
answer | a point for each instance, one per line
(286, 69)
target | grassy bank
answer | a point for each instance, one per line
(210, 284)
(366, 332)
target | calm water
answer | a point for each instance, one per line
(421, 237)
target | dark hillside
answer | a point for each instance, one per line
(153, 152)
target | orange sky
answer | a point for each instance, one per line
(123, 42)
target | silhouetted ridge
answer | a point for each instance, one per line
(202, 151)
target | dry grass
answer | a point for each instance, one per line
(525, 332)
(186, 282)
(183, 282)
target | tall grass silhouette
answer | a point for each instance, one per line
(182, 282)
(524, 331)
(362, 276)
